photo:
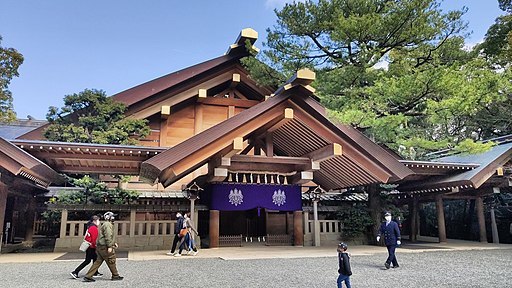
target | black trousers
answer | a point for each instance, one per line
(90, 256)
(177, 239)
(391, 253)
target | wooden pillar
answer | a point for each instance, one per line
(133, 217)
(3, 206)
(30, 214)
(481, 219)
(316, 225)
(192, 210)
(441, 226)
(494, 227)
(63, 223)
(413, 212)
(298, 232)
(214, 228)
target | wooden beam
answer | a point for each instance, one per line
(202, 93)
(165, 111)
(95, 169)
(198, 118)
(270, 160)
(83, 157)
(241, 103)
(302, 177)
(238, 145)
(235, 80)
(330, 151)
(262, 167)
(288, 115)
(302, 77)
(269, 144)
(315, 165)
(219, 175)
(231, 111)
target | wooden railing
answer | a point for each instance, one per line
(279, 240)
(230, 240)
(42, 227)
(123, 228)
(326, 227)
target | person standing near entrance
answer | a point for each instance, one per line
(392, 239)
(344, 265)
(105, 248)
(91, 235)
(177, 237)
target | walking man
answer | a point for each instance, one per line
(105, 248)
(392, 239)
(177, 237)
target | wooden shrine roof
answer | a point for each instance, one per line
(308, 130)
(471, 171)
(87, 158)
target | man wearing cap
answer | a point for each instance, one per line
(392, 239)
(105, 248)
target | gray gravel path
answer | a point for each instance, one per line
(490, 268)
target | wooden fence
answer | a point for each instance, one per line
(230, 240)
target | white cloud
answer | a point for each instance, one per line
(271, 4)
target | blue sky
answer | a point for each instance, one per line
(117, 44)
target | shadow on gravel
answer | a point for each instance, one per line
(81, 256)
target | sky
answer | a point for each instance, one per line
(114, 45)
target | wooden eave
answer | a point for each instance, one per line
(20, 163)
(473, 176)
(86, 158)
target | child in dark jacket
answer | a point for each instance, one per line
(344, 264)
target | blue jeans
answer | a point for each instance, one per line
(392, 257)
(342, 278)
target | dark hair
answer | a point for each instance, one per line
(94, 218)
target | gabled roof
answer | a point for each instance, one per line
(482, 167)
(362, 161)
(20, 163)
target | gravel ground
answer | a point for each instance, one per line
(490, 268)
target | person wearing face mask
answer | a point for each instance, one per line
(392, 239)
(105, 249)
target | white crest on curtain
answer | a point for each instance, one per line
(236, 197)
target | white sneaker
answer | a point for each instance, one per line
(170, 253)
(177, 255)
(195, 253)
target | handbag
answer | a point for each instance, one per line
(183, 232)
(84, 246)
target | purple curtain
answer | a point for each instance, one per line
(233, 196)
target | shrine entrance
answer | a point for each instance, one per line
(249, 223)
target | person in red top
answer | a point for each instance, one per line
(91, 235)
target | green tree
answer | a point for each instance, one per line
(397, 70)
(10, 61)
(92, 117)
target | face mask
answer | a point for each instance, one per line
(388, 218)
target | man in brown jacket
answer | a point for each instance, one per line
(105, 248)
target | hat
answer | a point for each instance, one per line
(387, 214)
(109, 215)
(343, 246)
